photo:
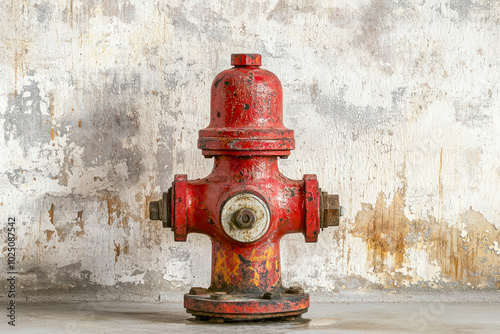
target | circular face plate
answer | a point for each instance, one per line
(230, 210)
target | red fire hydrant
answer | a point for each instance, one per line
(246, 205)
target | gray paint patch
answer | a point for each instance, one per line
(284, 11)
(210, 24)
(121, 84)
(43, 12)
(39, 272)
(465, 8)
(104, 133)
(179, 253)
(364, 119)
(25, 121)
(472, 113)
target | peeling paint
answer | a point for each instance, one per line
(389, 236)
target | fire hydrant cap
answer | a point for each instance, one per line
(246, 112)
(248, 59)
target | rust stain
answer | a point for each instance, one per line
(79, 123)
(384, 230)
(71, 13)
(231, 267)
(80, 223)
(116, 208)
(51, 107)
(117, 251)
(49, 234)
(470, 259)
(440, 207)
(126, 249)
(51, 213)
(144, 203)
(110, 220)
(388, 234)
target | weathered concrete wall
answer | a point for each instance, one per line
(395, 105)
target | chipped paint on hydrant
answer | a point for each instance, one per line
(246, 205)
(394, 105)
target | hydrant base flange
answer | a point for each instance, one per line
(246, 307)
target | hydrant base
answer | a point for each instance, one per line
(243, 308)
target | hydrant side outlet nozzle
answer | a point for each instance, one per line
(246, 205)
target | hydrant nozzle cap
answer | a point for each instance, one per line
(248, 59)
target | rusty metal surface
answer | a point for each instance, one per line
(161, 210)
(330, 210)
(246, 306)
(246, 205)
(245, 218)
(295, 290)
(227, 317)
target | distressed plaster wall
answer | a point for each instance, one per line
(395, 105)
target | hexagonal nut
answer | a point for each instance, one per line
(271, 295)
(245, 218)
(161, 210)
(330, 210)
(196, 290)
(154, 210)
(295, 290)
(220, 296)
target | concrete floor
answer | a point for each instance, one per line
(126, 317)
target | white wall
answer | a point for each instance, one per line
(394, 105)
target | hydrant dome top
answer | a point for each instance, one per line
(246, 112)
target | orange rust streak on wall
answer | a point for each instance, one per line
(384, 230)
(388, 233)
(117, 251)
(49, 234)
(470, 259)
(51, 213)
(115, 206)
(71, 13)
(80, 223)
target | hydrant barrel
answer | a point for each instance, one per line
(246, 205)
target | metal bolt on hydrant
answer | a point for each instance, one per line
(246, 205)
